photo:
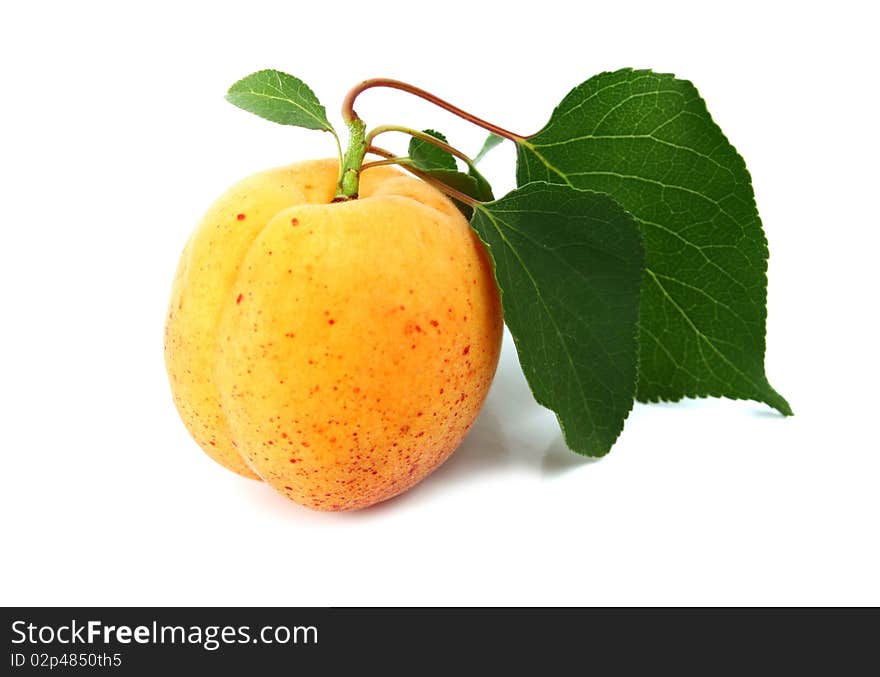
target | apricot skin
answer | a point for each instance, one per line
(338, 351)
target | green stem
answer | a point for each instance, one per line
(384, 163)
(381, 152)
(349, 170)
(391, 159)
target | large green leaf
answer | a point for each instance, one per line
(647, 139)
(568, 264)
(281, 98)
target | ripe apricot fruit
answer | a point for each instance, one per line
(338, 351)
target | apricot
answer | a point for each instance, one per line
(338, 351)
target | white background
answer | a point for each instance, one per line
(115, 139)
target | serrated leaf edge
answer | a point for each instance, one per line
(782, 406)
(562, 426)
(323, 121)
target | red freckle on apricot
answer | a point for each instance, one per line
(294, 222)
(240, 217)
(331, 321)
(270, 443)
(284, 435)
(419, 414)
(435, 323)
(466, 350)
(288, 488)
(240, 297)
(418, 329)
(421, 434)
(441, 391)
(293, 460)
(212, 443)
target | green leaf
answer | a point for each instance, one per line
(426, 156)
(281, 98)
(647, 139)
(484, 190)
(441, 165)
(491, 141)
(569, 263)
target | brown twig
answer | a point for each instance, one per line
(348, 112)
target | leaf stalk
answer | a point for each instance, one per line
(349, 114)
(433, 140)
(404, 163)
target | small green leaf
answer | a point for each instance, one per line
(472, 184)
(281, 98)
(491, 141)
(569, 263)
(647, 140)
(441, 165)
(484, 190)
(427, 157)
